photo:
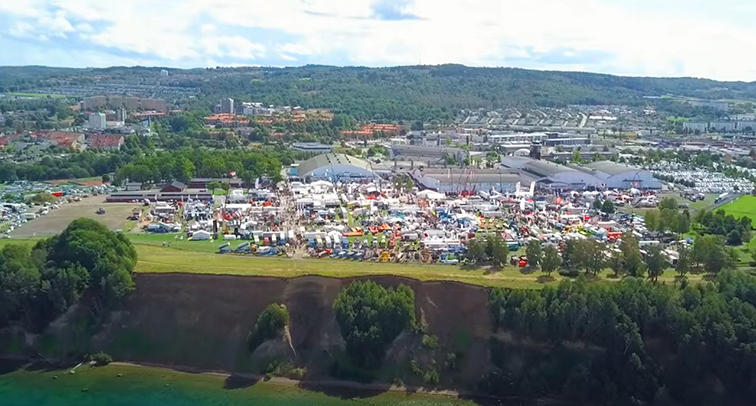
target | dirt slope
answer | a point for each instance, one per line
(201, 321)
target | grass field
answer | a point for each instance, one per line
(200, 257)
(744, 206)
(38, 95)
(146, 386)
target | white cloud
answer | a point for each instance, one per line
(636, 37)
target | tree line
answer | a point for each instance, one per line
(735, 231)
(38, 284)
(184, 164)
(630, 342)
(707, 254)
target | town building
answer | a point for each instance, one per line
(63, 139)
(619, 176)
(429, 154)
(204, 183)
(553, 176)
(227, 106)
(312, 147)
(105, 142)
(120, 114)
(227, 120)
(461, 181)
(333, 167)
(97, 121)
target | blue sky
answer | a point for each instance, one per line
(701, 38)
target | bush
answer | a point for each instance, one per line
(416, 368)
(270, 324)
(431, 377)
(451, 361)
(370, 317)
(101, 359)
(430, 342)
(284, 369)
(42, 198)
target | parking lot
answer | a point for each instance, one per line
(57, 220)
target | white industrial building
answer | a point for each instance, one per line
(550, 175)
(333, 167)
(456, 181)
(619, 176)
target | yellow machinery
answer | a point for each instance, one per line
(384, 256)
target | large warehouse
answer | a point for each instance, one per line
(333, 167)
(550, 175)
(465, 180)
(619, 176)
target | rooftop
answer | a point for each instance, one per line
(611, 168)
(457, 176)
(320, 161)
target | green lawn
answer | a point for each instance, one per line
(154, 258)
(744, 206)
(38, 95)
(119, 384)
(701, 204)
(201, 257)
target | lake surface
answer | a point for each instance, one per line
(159, 387)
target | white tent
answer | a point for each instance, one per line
(430, 195)
(201, 235)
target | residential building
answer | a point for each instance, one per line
(97, 121)
(62, 139)
(227, 106)
(120, 114)
(105, 142)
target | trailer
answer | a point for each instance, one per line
(243, 248)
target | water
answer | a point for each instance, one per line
(149, 386)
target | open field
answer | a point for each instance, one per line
(200, 257)
(129, 384)
(38, 95)
(158, 259)
(744, 206)
(57, 220)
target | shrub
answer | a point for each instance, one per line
(415, 368)
(431, 377)
(270, 324)
(370, 317)
(430, 342)
(451, 361)
(285, 369)
(101, 359)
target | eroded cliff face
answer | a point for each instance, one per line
(202, 321)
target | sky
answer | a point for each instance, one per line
(699, 38)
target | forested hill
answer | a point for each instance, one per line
(411, 91)
(439, 91)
